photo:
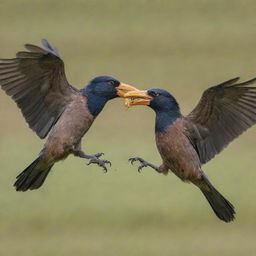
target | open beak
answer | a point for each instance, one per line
(137, 98)
(122, 89)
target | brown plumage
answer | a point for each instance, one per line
(184, 160)
(36, 81)
(223, 113)
(185, 143)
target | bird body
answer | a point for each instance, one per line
(177, 153)
(36, 81)
(186, 142)
(65, 137)
(180, 157)
(63, 140)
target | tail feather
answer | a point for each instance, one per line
(32, 177)
(223, 209)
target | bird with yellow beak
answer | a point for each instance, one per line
(186, 142)
(36, 81)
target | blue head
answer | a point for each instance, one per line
(162, 102)
(101, 89)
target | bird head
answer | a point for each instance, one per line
(101, 89)
(107, 87)
(157, 99)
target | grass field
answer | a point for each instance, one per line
(183, 47)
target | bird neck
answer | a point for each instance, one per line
(165, 119)
(95, 102)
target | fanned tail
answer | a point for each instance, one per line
(33, 176)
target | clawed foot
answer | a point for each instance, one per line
(94, 159)
(143, 163)
(99, 162)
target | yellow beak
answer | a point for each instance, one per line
(137, 97)
(122, 89)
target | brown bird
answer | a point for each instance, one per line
(36, 81)
(186, 142)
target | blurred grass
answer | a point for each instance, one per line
(183, 47)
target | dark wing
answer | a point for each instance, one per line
(223, 113)
(36, 81)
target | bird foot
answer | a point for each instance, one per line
(143, 163)
(99, 162)
(98, 155)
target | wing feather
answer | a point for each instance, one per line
(36, 81)
(224, 112)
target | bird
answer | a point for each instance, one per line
(36, 81)
(185, 143)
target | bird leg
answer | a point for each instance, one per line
(143, 164)
(81, 154)
(94, 159)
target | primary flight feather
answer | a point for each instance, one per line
(36, 81)
(186, 142)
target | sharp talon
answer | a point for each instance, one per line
(143, 164)
(100, 163)
(90, 162)
(98, 155)
(105, 170)
(140, 167)
(108, 162)
(132, 160)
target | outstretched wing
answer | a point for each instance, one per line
(36, 81)
(223, 113)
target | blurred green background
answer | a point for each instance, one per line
(182, 46)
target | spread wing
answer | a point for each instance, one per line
(36, 81)
(223, 113)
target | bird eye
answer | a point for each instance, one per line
(154, 94)
(111, 82)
